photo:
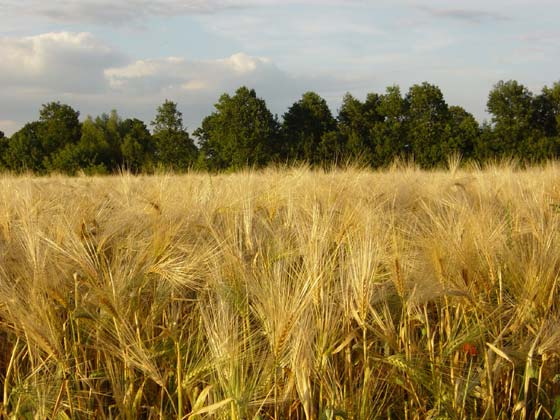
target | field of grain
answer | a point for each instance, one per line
(285, 294)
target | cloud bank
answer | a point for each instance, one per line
(59, 61)
(81, 70)
(113, 12)
(126, 11)
(467, 15)
(133, 54)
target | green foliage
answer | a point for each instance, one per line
(92, 153)
(556, 408)
(241, 132)
(304, 128)
(331, 148)
(114, 130)
(168, 118)
(546, 110)
(59, 127)
(463, 132)
(3, 147)
(485, 147)
(355, 122)
(37, 143)
(428, 124)
(511, 106)
(552, 96)
(173, 146)
(389, 133)
(24, 151)
(138, 148)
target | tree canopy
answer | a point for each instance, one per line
(305, 128)
(242, 132)
(173, 146)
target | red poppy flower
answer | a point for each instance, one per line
(470, 349)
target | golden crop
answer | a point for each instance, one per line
(286, 293)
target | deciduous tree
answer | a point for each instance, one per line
(389, 134)
(60, 126)
(173, 146)
(138, 146)
(23, 151)
(511, 106)
(428, 119)
(304, 126)
(240, 132)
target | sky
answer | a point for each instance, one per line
(99, 55)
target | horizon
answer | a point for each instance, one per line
(132, 55)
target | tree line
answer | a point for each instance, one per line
(242, 132)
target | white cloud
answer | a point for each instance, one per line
(544, 38)
(112, 12)
(173, 74)
(57, 61)
(284, 26)
(471, 15)
(126, 11)
(8, 126)
(329, 46)
(195, 85)
(78, 69)
(241, 63)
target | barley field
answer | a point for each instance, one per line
(282, 294)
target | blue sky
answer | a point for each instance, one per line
(97, 55)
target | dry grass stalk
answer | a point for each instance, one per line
(282, 294)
